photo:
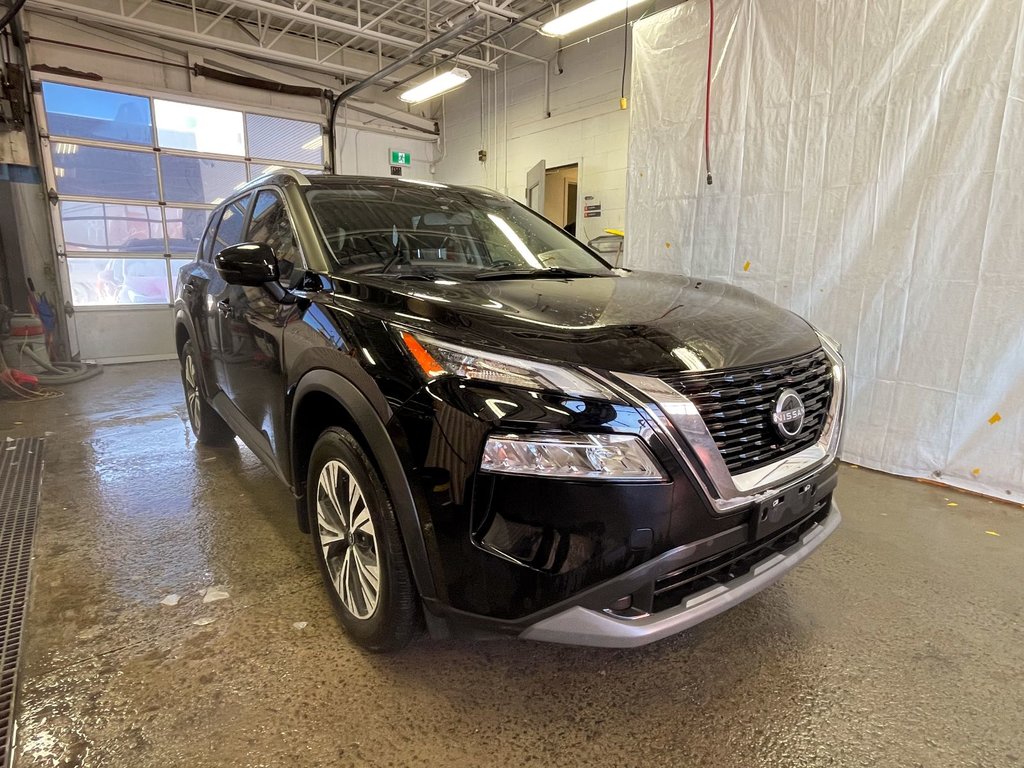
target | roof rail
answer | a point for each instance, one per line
(297, 177)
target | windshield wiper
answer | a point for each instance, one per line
(554, 273)
(397, 254)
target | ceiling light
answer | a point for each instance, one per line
(443, 83)
(585, 15)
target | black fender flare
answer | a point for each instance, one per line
(182, 317)
(375, 433)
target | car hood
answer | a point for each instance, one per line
(635, 322)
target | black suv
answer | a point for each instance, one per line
(487, 427)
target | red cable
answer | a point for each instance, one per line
(707, 96)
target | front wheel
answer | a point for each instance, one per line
(358, 545)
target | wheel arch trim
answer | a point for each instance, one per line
(182, 319)
(375, 433)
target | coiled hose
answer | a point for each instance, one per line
(56, 372)
(62, 372)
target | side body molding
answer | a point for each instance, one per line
(375, 433)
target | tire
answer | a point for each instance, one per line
(207, 425)
(356, 540)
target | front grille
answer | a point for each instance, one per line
(736, 405)
(673, 588)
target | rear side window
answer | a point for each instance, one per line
(206, 246)
(229, 231)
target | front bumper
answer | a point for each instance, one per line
(584, 626)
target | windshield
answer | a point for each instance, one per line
(384, 227)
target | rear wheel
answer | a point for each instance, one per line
(207, 425)
(358, 545)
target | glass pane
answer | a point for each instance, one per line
(98, 282)
(277, 138)
(88, 113)
(269, 224)
(198, 180)
(111, 227)
(100, 172)
(229, 232)
(184, 228)
(206, 247)
(203, 129)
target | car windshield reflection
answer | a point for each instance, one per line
(383, 228)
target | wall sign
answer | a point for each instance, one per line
(396, 170)
(401, 157)
(591, 210)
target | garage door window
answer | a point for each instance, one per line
(202, 129)
(137, 176)
(200, 180)
(88, 113)
(100, 172)
(109, 226)
(277, 138)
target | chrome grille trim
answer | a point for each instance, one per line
(736, 406)
(679, 422)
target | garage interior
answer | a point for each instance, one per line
(860, 165)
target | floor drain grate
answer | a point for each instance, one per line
(21, 469)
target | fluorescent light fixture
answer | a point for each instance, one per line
(443, 83)
(585, 15)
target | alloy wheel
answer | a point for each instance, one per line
(192, 393)
(348, 539)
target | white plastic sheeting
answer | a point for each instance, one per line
(868, 164)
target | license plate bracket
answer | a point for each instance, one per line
(779, 511)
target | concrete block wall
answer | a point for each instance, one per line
(586, 125)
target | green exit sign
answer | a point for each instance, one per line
(400, 158)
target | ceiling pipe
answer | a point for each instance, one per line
(500, 11)
(459, 25)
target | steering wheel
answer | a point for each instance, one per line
(370, 243)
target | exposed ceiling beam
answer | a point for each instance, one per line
(381, 112)
(324, 22)
(68, 11)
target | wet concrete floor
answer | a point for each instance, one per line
(899, 643)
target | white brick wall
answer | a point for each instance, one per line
(586, 126)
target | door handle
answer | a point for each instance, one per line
(224, 307)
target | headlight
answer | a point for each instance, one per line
(436, 358)
(583, 457)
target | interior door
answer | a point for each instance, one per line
(535, 187)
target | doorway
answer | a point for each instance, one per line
(561, 186)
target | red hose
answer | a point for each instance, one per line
(707, 96)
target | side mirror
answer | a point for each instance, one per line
(247, 264)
